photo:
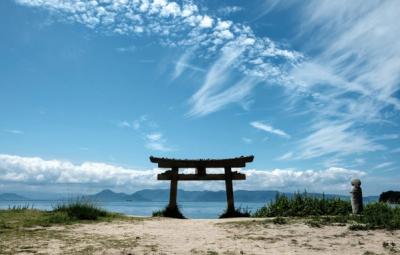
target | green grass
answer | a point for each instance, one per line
(320, 211)
(17, 217)
(80, 210)
(169, 212)
(303, 205)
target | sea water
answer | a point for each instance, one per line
(194, 210)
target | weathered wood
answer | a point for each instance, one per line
(202, 163)
(194, 177)
(229, 189)
(173, 189)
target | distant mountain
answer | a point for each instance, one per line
(108, 195)
(162, 195)
(11, 197)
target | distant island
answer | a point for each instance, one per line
(12, 197)
(161, 195)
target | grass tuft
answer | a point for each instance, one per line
(80, 210)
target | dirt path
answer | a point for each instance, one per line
(234, 236)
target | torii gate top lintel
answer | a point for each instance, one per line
(205, 163)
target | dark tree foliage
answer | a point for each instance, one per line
(390, 196)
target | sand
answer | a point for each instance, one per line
(228, 236)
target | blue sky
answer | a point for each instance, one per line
(91, 89)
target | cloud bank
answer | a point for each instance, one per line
(37, 171)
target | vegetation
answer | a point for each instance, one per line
(81, 210)
(169, 212)
(322, 211)
(238, 212)
(381, 215)
(17, 217)
(390, 196)
(303, 205)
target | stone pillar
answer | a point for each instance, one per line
(356, 197)
(173, 189)
(229, 189)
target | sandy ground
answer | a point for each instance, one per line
(228, 236)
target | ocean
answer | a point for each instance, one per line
(193, 210)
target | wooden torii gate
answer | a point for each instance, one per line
(201, 165)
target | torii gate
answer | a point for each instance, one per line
(201, 165)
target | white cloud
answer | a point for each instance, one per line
(156, 141)
(154, 137)
(332, 179)
(247, 140)
(38, 171)
(206, 22)
(268, 128)
(286, 156)
(213, 95)
(128, 49)
(384, 165)
(124, 124)
(331, 138)
(355, 63)
(387, 137)
(184, 63)
(35, 170)
(182, 25)
(227, 10)
(14, 131)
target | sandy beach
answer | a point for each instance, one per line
(227, 236)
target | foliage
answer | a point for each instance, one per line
(22, 216)
(322, 211)
(390, 196)
(381, 215)
(169, 212)
(279, 221)
(303, 205)
(81, 209)
(238, 212)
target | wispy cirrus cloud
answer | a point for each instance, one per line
(384, 165)
(268, 128)
(13, 131)
(156, 141)
(349, 72)
(330, 138)
(186, 26)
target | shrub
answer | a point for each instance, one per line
(303, 205)
(279, 221)
(81, 210)
(381, 215)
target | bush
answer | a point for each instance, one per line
(81, 210)
(303, 205)
(381, 215)
(169, 212)
(279, 221)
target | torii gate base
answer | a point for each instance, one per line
(201, 165)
